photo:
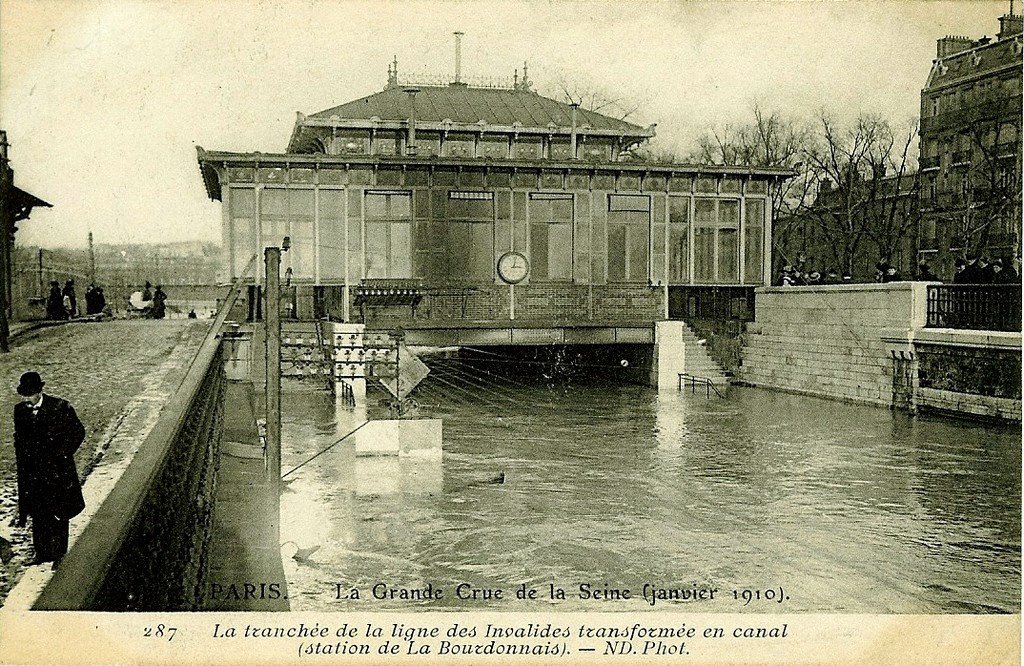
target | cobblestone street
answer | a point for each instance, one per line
(117, 374)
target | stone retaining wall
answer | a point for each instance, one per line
(827, 340)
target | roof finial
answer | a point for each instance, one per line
(393, 73)
(526, 79)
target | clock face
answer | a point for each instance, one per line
(513, 267)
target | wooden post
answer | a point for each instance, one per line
(272, 322)
(6, 231)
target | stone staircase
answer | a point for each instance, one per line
(697, 361)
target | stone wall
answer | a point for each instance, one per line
(146, 548)
(827, 340)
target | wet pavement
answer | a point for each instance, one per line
(118, 375)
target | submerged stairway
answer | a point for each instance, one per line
(697, 361)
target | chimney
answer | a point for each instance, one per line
(1009, 25)
(410, 142)
(572, 134)
(458, 58)
(952, 44)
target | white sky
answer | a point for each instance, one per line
(104, 102)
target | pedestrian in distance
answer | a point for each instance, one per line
(55, 302)
(70, 302)
(985, 273)
(959, 268)
(147, 292)
(47, 432)
(925, 274)
(159, 300)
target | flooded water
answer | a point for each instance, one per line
(834, 507)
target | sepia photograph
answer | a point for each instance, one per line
(473, 331)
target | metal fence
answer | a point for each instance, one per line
(984, 307)
(711, 303)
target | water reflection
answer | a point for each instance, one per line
(849, 509)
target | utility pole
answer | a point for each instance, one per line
(6, 222)
(92, 261)
(272, 323)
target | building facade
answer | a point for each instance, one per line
(970, 155)
(463, 206)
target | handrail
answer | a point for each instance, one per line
(695, 379)
(84, 570)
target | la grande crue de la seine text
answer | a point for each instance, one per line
(650, 593)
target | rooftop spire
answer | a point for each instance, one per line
(393, 73)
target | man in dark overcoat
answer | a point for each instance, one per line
(47, 432)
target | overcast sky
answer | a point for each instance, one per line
(104, 102)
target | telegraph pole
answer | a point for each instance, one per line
(6, 224)
(272, 323)
(92, 261)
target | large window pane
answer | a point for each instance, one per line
(243, 228)
(704, 240)
(332, 234)
(678, 240)
(728, 240)
(551, 237)
(388, 234)
(753, 242)
(616, 252)
(704, 254)
(728, 255)
(469, 250)
(300, 212)
(629, 229)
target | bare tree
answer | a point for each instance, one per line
(990, 190)
(593, 96)
(769, 140)
(893, 194)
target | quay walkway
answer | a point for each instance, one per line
(118, 375)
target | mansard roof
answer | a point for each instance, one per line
(463, 104)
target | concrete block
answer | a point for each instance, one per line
(400, 437)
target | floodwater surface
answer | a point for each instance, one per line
(832, 507)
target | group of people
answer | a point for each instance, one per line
(977, 269)
(155, 302)
(62, 303)
(792, 276)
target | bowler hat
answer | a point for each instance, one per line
(30, 384)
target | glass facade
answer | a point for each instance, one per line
(629, 237)
(388, 234)
(448, 231)
(551, 236)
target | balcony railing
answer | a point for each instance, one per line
(982, 307)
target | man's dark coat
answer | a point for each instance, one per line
(45, 445)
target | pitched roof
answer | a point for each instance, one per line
(463, 104)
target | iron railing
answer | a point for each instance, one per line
(982, 307)
(145, 549)
(694, 381)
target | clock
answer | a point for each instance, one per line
(513, 267)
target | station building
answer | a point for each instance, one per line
(486, 213)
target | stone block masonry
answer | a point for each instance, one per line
(827, 340)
